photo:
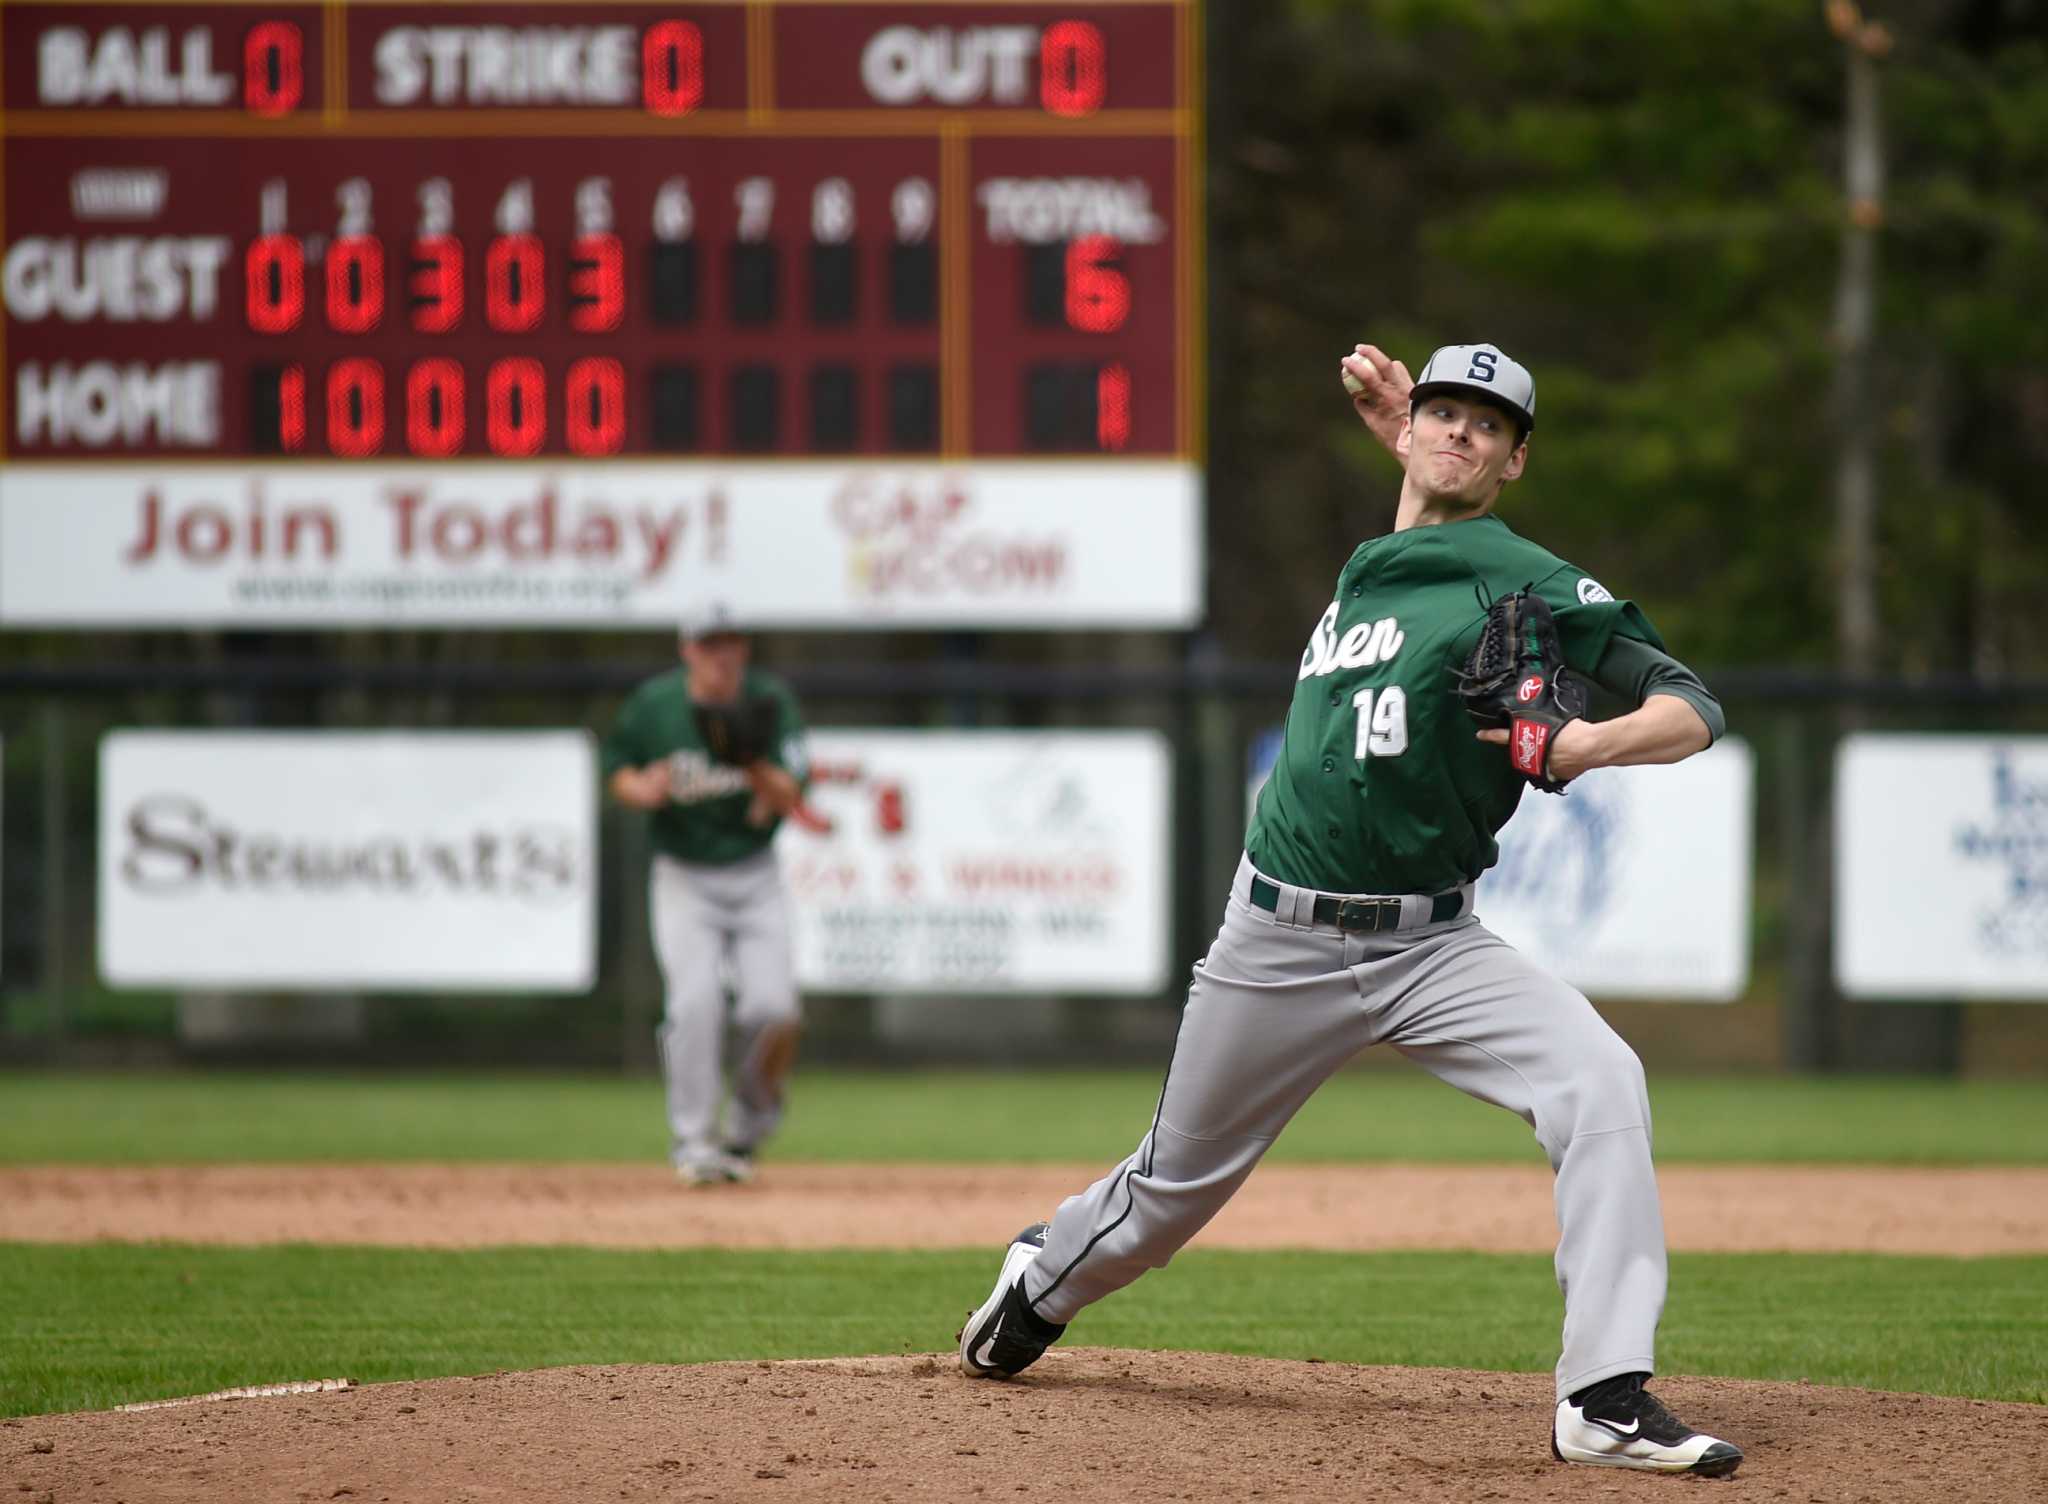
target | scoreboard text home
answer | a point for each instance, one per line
(418, 232)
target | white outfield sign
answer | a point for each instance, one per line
(791, 543)
(1637, 882)
(1941, 866)
(983, 862)
(335, 859)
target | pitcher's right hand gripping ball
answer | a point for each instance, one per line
(1515, 677)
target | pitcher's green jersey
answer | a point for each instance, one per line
(1382, 785)
(705, 820)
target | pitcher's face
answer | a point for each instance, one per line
(1460, 450)
(717, 663)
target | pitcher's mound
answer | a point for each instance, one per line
(1084, 1424)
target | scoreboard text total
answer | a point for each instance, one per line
(597, 230)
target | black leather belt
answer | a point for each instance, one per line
(1372, 914)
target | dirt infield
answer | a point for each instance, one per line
(1084, 1425)
(1490, 1208)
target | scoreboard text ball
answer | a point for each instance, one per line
(430, 231)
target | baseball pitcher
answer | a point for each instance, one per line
(1445, 676)
(714, 750)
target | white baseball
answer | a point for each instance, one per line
(1351, 383)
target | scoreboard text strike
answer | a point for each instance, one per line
(440, 231)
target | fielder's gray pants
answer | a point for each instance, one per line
(710, 923)
(1277, 1006)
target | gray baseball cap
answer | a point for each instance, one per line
(708, 619)
(1485, 370)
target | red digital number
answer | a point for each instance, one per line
(275, 277)
(514, 294)
(436, 283)
(1113, 406)
(672, 68)
(515, 406)
(433, 408)
(1098, 293)
(355, 407)
(291, 409)
(597, 283)
(355, 283)
(273, 68)
(594, 406)
(1073, 72)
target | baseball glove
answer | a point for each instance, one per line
(740, 733)
(1515, 677)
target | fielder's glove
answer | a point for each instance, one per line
(740, 733)
(1515, 677)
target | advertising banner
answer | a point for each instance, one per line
(328, 860)
(1637, 882)
(1941, 866)
(974, 862)
(790, 544)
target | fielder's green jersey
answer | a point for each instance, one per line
(705, 820)
(1382, 785)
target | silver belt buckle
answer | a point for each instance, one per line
(1376, 907)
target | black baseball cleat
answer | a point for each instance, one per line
(1004, 1337)
(1619, 1423)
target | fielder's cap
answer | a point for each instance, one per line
(1484, 370)
(708, 619)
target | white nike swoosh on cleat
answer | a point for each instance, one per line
(1633, 1427)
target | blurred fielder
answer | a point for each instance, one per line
(715, 751)
(1350, 920)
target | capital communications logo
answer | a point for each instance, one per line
(1557, 860)
(2013, 840)
(909, 539)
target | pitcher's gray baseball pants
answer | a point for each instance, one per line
(1279, 1004)
(708, 921)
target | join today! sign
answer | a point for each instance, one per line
(971, 863)
(324, 860)
(793, 545)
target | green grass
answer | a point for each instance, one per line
(964, 1116)
(90, 1327)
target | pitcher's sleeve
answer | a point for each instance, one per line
(1633, 671)
(625, 745)
(791, 751)
(1588, 618)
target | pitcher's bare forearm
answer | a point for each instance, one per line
(1665, 729)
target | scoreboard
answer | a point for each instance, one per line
(584, 233)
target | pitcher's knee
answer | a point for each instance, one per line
(1604, 1092)
(1183, 1182)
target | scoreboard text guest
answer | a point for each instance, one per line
(426, 232)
